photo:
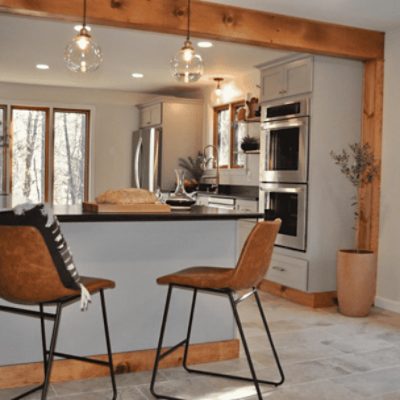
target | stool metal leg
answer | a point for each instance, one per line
(108, 342)
(189, 331)
(159, 356)
(53, 344)
(186, 344)
(274, 352)
(245, 346)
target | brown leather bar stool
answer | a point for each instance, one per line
(29, 277)
(248, 274)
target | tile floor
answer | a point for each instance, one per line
(324, 355)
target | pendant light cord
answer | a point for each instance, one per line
(188, 22)
(84, 13)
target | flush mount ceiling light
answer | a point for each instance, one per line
(137, 75)
(187, 66)
(205, 45)
(42, 67)
(218, 90)
(83, 54)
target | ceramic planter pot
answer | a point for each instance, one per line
(356, 282)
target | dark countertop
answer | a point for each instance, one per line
(75, 214)
(232, 191)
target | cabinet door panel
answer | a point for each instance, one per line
(299, 77)
(155, 114)
(272, 83)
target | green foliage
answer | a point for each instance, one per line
(358, 165)
(193, 166)
(249, 140)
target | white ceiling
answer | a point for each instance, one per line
(25, 42)
(370, 14)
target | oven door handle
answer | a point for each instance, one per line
(281, 190)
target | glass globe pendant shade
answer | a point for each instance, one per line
(83, 54)
(187, 66)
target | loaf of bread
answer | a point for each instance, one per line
(126, 196)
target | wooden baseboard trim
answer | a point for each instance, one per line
(68, 370)
(314, 300)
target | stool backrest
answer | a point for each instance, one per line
(27, 271)
(256, 255)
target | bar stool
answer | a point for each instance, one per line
(28, 277)
(248, 274)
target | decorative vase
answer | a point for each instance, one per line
(356, 282)
(180, 198)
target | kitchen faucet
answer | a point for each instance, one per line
(214, 157)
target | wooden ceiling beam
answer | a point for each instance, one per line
(215, 21)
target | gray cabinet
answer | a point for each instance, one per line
(151, 115)
(287, 79)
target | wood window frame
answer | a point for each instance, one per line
(231, 107)
(3, 149)
(87, 147)
(46, 110)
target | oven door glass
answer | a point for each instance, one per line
(289, 203)
(284, 147)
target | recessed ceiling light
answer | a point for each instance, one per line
(205, 45)
(137, 75)
(79, 27)
(42, 66)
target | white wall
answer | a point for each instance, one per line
(114, 118)
(388, 288)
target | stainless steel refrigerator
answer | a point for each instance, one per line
(147, 153)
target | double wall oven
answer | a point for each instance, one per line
(284, 146)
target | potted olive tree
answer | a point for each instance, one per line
(356, 268)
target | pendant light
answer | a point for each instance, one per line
(83, 54)
(187, 66)
(218, 90)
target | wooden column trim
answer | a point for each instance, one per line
(215, 21)
(368, 224)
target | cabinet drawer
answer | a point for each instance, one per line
(247, 205)
(288, 271)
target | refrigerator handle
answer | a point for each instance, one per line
(137, 156)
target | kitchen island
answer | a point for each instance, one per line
(133, 250)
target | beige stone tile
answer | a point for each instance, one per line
(84, 386)
(374, 383)
(7, 394)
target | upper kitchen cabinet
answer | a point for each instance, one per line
(286, 79)
(150, 115)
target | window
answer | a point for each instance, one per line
(29, 142)
(228, 135)
(3, 149)
(70, 156)
(46, 167)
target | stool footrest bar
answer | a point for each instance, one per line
(172, 349)
(79, 358)
(27, 393)
(227, 376)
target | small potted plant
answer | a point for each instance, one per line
(356, 268)
(249, 143)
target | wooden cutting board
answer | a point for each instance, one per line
(126, 208)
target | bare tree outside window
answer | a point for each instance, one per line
(28, 154)
(224, 137)
(70, 135)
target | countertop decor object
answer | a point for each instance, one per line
(180, 199)
(187, 65)
(356, 268)
(83, 54)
